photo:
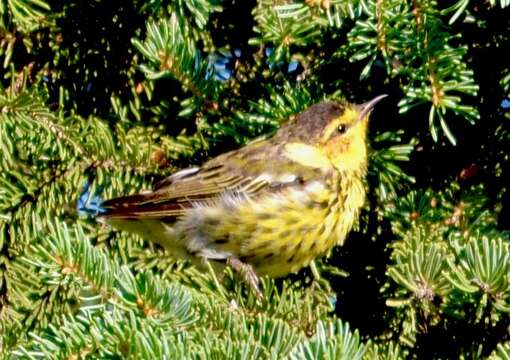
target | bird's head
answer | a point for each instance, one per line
(329, 133)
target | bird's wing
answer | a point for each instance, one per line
(253, 170)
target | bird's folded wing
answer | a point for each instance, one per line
(173, 199)
(245, 173)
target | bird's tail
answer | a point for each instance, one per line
(140, 206)
(142, 214)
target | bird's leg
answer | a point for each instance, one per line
(247, 272)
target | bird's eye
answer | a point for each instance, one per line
(342, 129)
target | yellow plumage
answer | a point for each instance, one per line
(269, 208)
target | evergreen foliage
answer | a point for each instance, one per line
(98, 100)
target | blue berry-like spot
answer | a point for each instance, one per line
(88, 203)
(293, 65)
(333, 300)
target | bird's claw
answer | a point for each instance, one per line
(246, 271)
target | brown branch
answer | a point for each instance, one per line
(437, 91)
(382, 44)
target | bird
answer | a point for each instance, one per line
(266, 209)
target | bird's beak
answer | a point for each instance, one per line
(366, 108)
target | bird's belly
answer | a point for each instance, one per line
(303, 229)
(286, 253)
(277, 235)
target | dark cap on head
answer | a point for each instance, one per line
(308, 125)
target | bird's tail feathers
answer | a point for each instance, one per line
(140, 206)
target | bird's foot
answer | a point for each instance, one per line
(246, 271)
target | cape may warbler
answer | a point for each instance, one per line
(269, 208)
